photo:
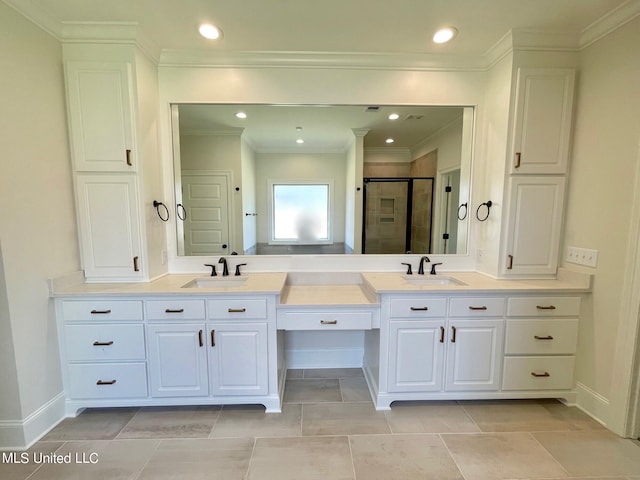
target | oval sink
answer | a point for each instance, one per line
(215, 282)
(434, 280)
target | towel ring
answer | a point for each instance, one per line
(180, 207)
(166, 210)
(485, 204)
(466, 210)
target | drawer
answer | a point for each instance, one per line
(237, 308)
(541, 337)
(543, 307)
(419, 307)
(174, 309)
(476, 307)
(538, 373)
(98, 310)
(107, 380)
(328, 320)
(105, 342)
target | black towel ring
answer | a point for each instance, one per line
(158, 205)
(466, 210)
(179, 207)
(485, 204)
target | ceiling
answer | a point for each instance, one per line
(351, 33)
(340, 26)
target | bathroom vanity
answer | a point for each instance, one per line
(190, 340)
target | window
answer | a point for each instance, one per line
(300, 212)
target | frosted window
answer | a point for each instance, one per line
(301, 213)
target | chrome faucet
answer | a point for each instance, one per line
(421, 266)
(225, 267)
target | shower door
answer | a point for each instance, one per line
(397, 215)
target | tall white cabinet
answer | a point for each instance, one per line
(103, 112)
(538, 156)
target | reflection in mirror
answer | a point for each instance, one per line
(288, 179)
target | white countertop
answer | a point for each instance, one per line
(275, 283)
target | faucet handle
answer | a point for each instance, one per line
(433, 268)
(237, 274)
(213, 269)
(409, 271)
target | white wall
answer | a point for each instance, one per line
(38, 234)
(600, 200)
(300, 166)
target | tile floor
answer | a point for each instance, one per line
(329, 430)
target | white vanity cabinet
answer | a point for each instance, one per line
(102, 348)
(538, 165)
(239, 344)
(437, 347)
(541, 341)
(177, 352)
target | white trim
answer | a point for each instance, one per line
(609, 22)
(625, 402)
(592, 403)
(22, 434)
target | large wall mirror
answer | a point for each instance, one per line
(312, 179)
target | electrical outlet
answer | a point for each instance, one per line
(582, 256)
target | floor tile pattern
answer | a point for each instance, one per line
(329, 430)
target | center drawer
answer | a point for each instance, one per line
(327, 320)
(476, 307)
(175, 309)
(237, 308)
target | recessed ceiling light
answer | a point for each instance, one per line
(210, 31)
(300, 141)
(445, 34)
(241, 115)
(394, 116)
(389, 140)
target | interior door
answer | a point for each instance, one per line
(205, 197)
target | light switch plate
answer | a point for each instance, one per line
(582, 256)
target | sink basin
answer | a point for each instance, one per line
(215, 282)
(433, 280)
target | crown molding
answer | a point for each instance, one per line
(610, 22)
(305, 59)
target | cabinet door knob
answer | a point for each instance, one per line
(441, 334)
(213, 338)
(453, 334)
(518, 155)
(200, 341)
(128, 154)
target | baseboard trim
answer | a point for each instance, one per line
(22, 434)
(325, 358)
(592, 403)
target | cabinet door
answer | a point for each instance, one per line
(542, 122)
(416, 352)
(177, 360)
(100, 106)
(238, 360)
(109, 226)
(474, 355)
(535, 221)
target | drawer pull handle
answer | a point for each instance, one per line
(128, 155)
(200, 341)
(418, 309)
(213, 338)
(102, 344)
(538, 337)
(177, 310)
(453, 334)
(441, 334)
(237, 310)
(518, 159)
(100, 312)
(545, 374)
(328, 322)
(136, 267)
(477, 308)
(102, 382)
(550, 307)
